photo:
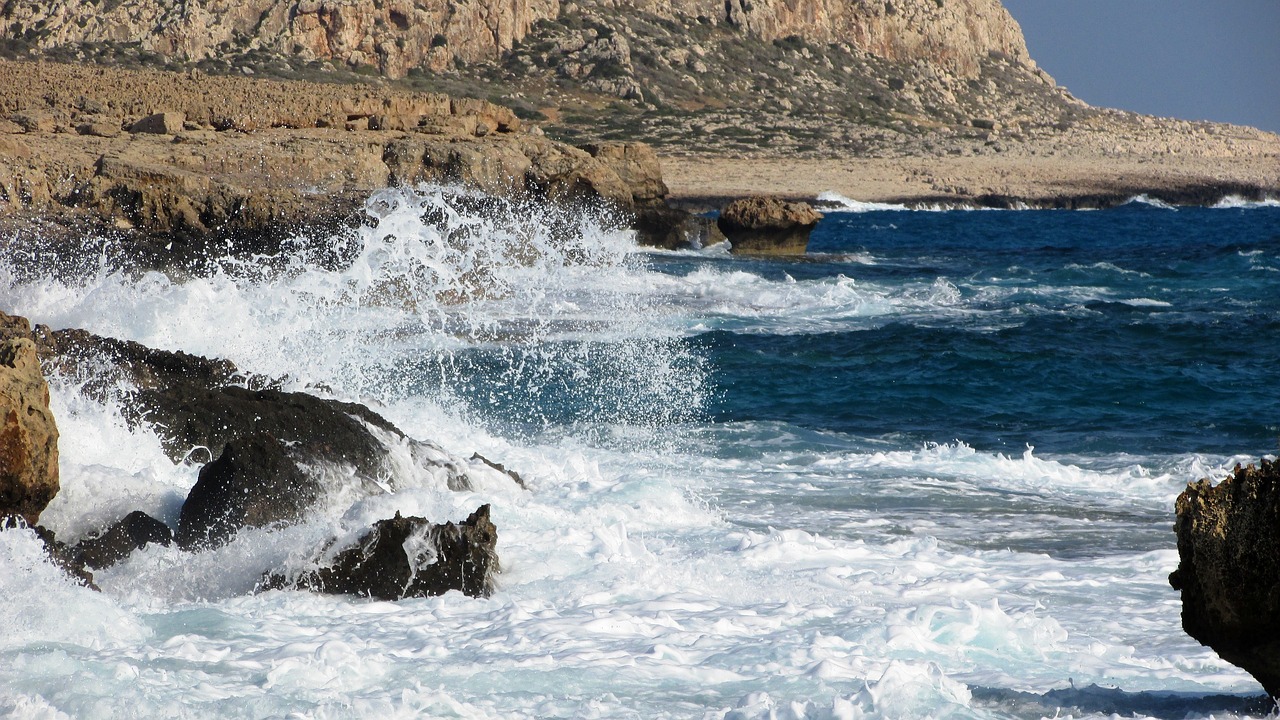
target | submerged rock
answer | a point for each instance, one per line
(28, 434)
(408, 557)
(64, 557)
(253, 483)
(136, 531)
(767, 225)
(1229, 569)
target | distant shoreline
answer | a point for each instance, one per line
(1084, 181)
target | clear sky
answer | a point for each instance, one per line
(1191, 59)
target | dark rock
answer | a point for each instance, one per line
(134, 532)
(671, 228)
(28, 434)
(59, 554)
(409, 557)
(199, 404)
(316, 428)
(500, 468)
(253, 483)
(766, 225)
(1229, 569)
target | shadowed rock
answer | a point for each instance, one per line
(253, 483)
(768, 225)
(1229, 569)
(198, 405)
(409, 557)
(134, 532)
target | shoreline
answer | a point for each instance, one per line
(700, 183)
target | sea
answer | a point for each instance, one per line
(925, 470)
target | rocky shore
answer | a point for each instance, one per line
(172, 162)
(279, 455)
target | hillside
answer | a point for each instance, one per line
(808, 76)
(950, 81)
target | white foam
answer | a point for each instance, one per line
(640, 578)
(1145, 199)
(835, 202)
(1235, 202)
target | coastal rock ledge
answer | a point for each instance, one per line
(1229, 569)
(768, 225)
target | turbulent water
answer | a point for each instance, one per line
(927, 470)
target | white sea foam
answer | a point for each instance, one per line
(831, 201)
(1235, 202)
(1145, 199)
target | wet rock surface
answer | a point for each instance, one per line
(408, 557)
(134, 532)
(1229, 569)
(254, 482)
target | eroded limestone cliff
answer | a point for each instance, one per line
(403, 34)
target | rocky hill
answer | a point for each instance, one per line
(806, 76)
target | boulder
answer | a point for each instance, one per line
(28, 434)
(408, 557)
(253, 483)
(636, 164)
(134, 532)
(1229, 568)
(767, 225)
(165, 123)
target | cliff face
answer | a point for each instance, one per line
(399, 35)
(392, 37)
(952, 34)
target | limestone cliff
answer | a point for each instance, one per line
(399, 35)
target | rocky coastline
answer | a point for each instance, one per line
(174, 164)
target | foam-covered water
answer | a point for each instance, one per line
(927, 470)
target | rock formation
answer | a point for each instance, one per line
(1229, 569)
(253, 483)
(28, 434)
(408, 557)
(399, 36)
(768, 225)
(136, 531)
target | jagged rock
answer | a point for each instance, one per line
(34, 121)
(28, 433)
(408, 557)
(134, 532)
(636, 164)
(515, 476)
(768, 225)
(165, 123)
(1229, 568)
(253, 483)
(64, 557)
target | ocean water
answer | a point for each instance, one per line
(927, 470)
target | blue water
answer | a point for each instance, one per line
(1133, 330)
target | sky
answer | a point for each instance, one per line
(1191, 59)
